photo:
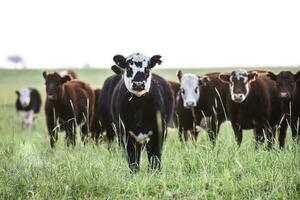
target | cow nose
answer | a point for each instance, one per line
(238, 97)
(52, 97)
(138, 86)
(190, 104)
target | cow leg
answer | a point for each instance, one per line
(282, 133)
(133, 150)
(84, 133)
(295, 126)
(71, 133)
(213, 130)
(154, 147)
(180, 132)
(270, 134)
(238, 132)
(110, 134)
(194, 133)
(52, 131)
(259, 136)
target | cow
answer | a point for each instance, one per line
(69, 102)
(28, 105)
(252, 103)
(288, 85)
(142, 106)
(68, 72)
(201, 103)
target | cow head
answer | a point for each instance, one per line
(239, 82)
(24, 96)
(286, 83)
(137, 71)
(54, 83)
(190, 88)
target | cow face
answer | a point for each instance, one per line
(286, 83)
(239, 83)
(137, 71)
(24, 96)
(190, 88)
(54, 83)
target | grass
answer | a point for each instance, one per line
(30, 169)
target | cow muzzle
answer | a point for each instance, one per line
(52, 97)
(238, 97)
(284, 95)
(138, 86)
(190, 104)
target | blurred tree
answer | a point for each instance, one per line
(17, 60)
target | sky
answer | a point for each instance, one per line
(189, 33)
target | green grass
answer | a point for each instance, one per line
(29, 168)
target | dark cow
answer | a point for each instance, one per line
(289, 94)
(142, 106)
(69, 73)
(28, 105)
(69, 103)
(201, 103)
(252, 103)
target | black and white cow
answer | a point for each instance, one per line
(28, 105)
(142, 106)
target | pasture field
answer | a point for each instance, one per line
(30, 169)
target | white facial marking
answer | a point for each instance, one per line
(24, 96)
(137, 58)
(190, 93)
(239, 74)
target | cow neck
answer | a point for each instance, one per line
(285, 105)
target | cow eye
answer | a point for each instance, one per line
(196, 90)
(129, 71)
(182, 91)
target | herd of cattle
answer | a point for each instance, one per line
(138, 106)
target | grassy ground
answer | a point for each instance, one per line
(30, 169)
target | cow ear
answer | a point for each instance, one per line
(65, 79)
(272, 76)
(179, 75)
(120, 61)
(155, 60)
(252, 76)
(203, 80)
(117, 70)
(45, 74)
(17, 92)
(224, 77)
(297, 76)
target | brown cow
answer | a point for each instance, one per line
(289, 94)
(252, 103)
(69, 102)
